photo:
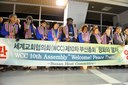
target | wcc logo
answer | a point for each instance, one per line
(3, 52)
(126, 54)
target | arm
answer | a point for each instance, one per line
(93, 39)
(38, 35)
(67, 37)
(26, 27)
(64, 30)
(3, 31)
(60, 37)
(80, 38)
(75, 32)
(117, 40)
(50, 38)
(17, 35)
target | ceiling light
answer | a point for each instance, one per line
(60, 2)
(106, 8)
(93, 7)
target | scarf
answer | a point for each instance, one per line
(98, 38)
(54, 35)
(11, 29)
(86, 36)
(119, 37)
(43, 31)
(30, 31)
(67, 32)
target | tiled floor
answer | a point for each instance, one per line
(86, 77)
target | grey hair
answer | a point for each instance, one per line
(12, 15)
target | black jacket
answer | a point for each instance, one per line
(93, 39)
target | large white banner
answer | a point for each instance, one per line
(50, 53)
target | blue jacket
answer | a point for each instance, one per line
(50, 37)
(38, 35)
(5, 33)
(80, 38)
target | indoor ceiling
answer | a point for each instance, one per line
(117, 7)
(49, 6)
(42, 2)
(114, 8)
(112, 2)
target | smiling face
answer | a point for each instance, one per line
(119, 30)
(13, 19)
(96, 31)
(56, 26)
(44, 24)
(95, 27)
(70, 22)
(85, 29)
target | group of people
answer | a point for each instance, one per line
(56, 32)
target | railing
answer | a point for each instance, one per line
(51, 53)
